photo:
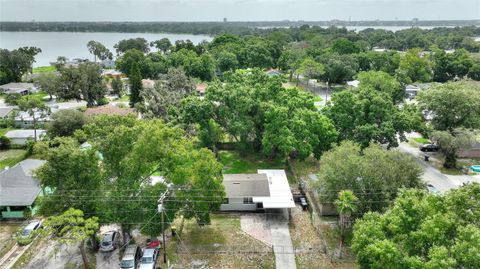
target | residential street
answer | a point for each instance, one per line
(431, 175)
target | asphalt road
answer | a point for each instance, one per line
(431, 175)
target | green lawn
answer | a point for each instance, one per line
(40, 95)
(234, 163)
(3, 131)
(11, 157)
(44, 69)
(422, 140)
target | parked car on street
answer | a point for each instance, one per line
(429, 148)
(110, 241)
(131, 257)
(149, 259)
(25, 236)
(432, 189)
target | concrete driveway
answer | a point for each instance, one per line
(281, 241)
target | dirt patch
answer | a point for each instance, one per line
(310, 252)
(6, 236)
(222, 244)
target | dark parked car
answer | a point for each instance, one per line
(131, 257)
(110, 241)
(303, 203)
(429, 148)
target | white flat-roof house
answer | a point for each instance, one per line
(268, 189)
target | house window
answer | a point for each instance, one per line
(248, 200)
(225, 201)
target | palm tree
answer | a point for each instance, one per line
(346, 205)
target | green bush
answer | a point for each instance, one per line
(24, 240)
(12, 98)
(5, 142)
(102, 101)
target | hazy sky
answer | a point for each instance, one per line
(236, 10)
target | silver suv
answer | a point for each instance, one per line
(131, 257)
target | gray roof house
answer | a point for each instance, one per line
(18, 188)
(251, 192)
(5, 111)
(22, 88)
(20, 137)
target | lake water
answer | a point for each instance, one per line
(74, 45)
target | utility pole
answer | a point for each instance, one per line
(161, 209)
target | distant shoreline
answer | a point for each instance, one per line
(213, 28)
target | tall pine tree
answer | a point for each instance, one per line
(135, 80)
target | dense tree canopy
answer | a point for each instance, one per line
(15, 63)
(99, 50)
(451, 105)
(256, 111)
(368, 113)
(374, 175)
(125, 45)
(422, 230)
(82, 83)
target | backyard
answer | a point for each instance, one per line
(10, 157)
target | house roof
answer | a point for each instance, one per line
(148, 83)
(4, 111)
(108, 110)
(280, 192)
(13, 86)
(17, 185)
(201, 87)
(245, 185)
(24, 133)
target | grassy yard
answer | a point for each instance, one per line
(40, 95)
(422, 140)
(44, 69)
(222, 244)
(234, 163)
(11, 157)
(3, 131)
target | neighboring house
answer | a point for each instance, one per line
(273, 72)
(20, 137)
(472, 152)
(353, 83)
(379, 49)
(112, 73)
(108, 63)
(24, 120)
(73, 63)
(414, 89)
(5, 112)
(19, 189)
(267, 189)
(21, 88)
(201, 88)
(108, 110)
(148, 83)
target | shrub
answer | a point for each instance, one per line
(5, 142)
(12, 98)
